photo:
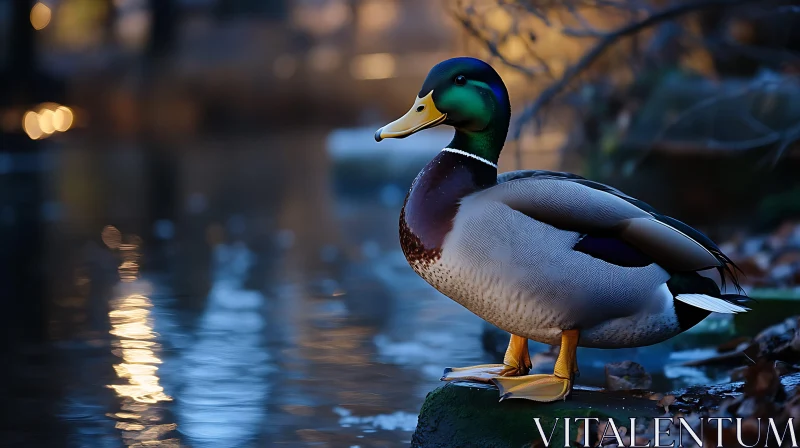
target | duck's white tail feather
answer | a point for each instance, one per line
(709, 303)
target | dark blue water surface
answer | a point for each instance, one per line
(236, 294)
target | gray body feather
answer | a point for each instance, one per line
(509, 259)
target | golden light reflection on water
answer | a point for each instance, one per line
(129, 270)
(111, 237)
(131, 322)
(140, 419)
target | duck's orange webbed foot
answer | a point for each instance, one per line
(516, 362)
(545, 387)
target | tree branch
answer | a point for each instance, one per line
(492, 47)
(604, 43)
(528, 7)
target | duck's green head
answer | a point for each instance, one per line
(465, 93)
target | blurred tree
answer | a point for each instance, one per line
(563, 47)
(744, 40)
(21, 60)
(710, 86)
(21, 79)
(161, 159)
(273, 9)
(162, 28)
(21, 195)
(24, 316)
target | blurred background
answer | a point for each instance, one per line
(199, 233)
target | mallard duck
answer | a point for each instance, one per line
(547, 256)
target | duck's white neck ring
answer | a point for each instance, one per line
(469, 154)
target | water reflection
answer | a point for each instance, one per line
(404, 421)
(223, 402)
(140, 420)
(130, 321)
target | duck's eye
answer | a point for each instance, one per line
(460, 80)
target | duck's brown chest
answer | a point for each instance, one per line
(433, 201)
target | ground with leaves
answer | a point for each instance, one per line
(470, 415)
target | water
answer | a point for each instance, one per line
(233, 294)
(231, 299)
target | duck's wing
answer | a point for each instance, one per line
(615, 227)
(559, 175)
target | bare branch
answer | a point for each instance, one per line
(770, 135)
(756, 124)
(792, 135)
(544, 67)
(492, 47)
(605, 42)
(783, 138)
(528, 7)
(585, 25)
(764, 140)
(626, 5)
(574, 32)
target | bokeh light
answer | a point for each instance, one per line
(40, 16)
(81, 24)
(133, 26)
(324, 58)
(373, 66)
(47, 119)
(62, 118)
(322, 19)
(499, 20)
(30, 124)
(377, 15)
(515, 48)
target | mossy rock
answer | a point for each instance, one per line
(466, 415)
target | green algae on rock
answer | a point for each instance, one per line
(467, 415)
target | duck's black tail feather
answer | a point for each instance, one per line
(691, 312)
(727, 268)
(738, 299)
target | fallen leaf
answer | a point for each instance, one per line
(666, 402)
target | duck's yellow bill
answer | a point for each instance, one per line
(422, 115)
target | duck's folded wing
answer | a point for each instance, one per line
(571, 205)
